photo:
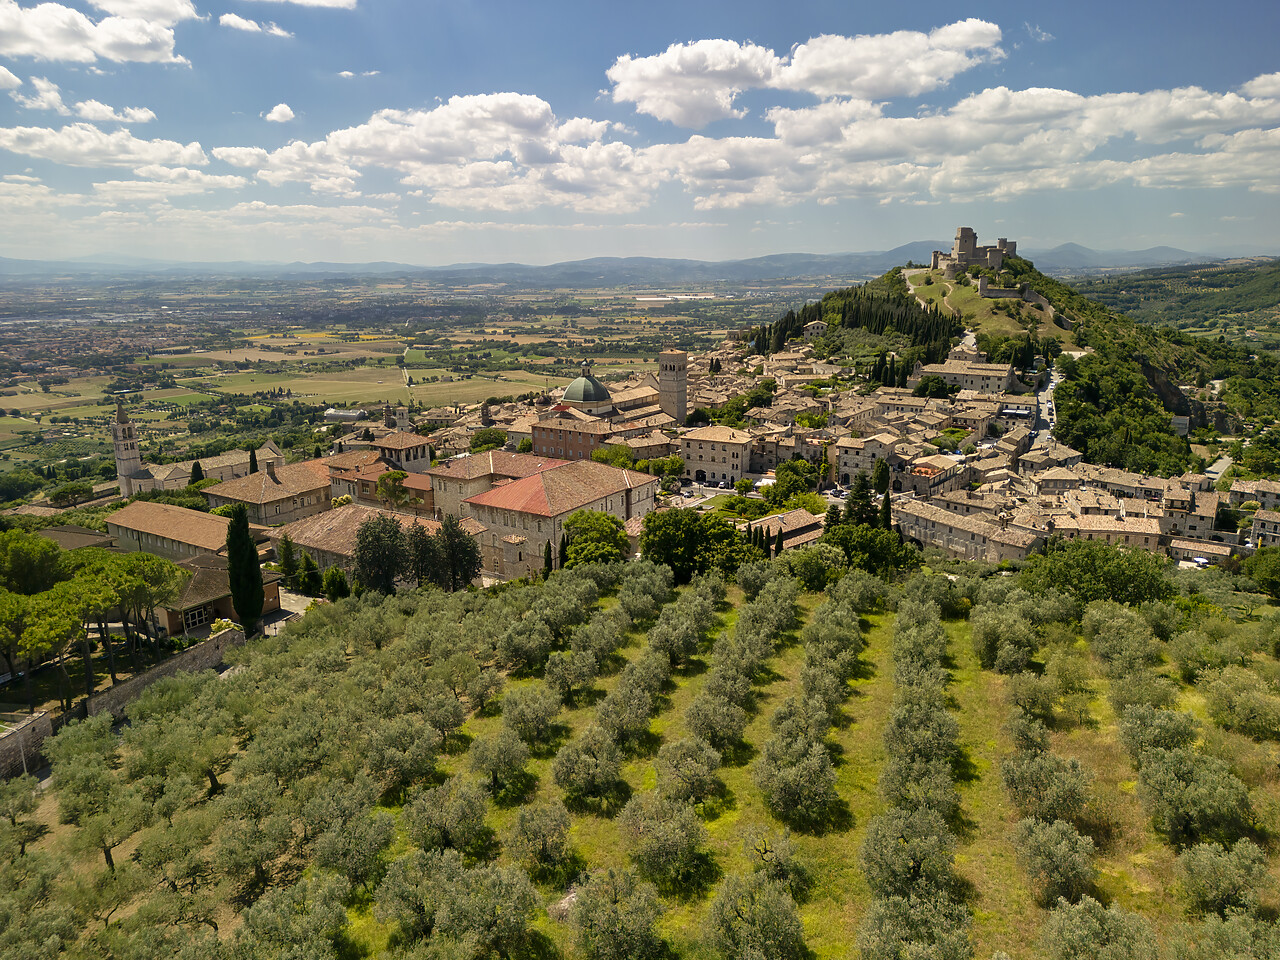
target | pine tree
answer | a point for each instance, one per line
(833, 518)
(253, 461)
(309, 581)
(288, 560)
(197, 472)
(244, 571)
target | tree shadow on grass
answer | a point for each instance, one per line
(693, 667)
(737, 754)
(862, 670)
(608, 803)
(645, 744)
(834, 817)
(560, 875)
(963, 769)
(536, 946)
(723, 800)
(693, 883)
(485, 848)
(556, 737)
(457, 742)
(516, 791)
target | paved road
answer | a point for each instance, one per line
(1216, 469)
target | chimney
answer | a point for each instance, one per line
(271, 470)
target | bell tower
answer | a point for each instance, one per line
(673, 384)
(125, 441)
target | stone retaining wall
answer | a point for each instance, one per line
(203, 656)
(22, 742)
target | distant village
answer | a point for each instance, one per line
(970, 473)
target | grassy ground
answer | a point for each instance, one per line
(1005, 915)
(838, 898)
(986, 315)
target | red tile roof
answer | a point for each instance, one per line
(567, 487)
(493, 463)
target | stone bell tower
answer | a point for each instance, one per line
(128, 457)
(673, 384)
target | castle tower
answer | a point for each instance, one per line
(673, 384)
(128, 458)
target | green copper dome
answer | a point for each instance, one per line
(586, 389)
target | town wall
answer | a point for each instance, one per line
(20, 745)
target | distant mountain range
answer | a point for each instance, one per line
(836, 268)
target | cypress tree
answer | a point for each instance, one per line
(886, 514)
(288, 561)
(197, 472)
(546, 558)
(244, 571)
(777, 546)
(253, 461)
(564, 550)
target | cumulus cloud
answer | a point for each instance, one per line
(280, 113)
(1267, 85)
(348, 74)
(692, 84)
(84, 145)
(9, 80)
(47, 96)
(164, 12)
(333, 4)
(101, 113)
(252, 26)
(51, 31)
(903, 63)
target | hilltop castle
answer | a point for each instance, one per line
(965, 252)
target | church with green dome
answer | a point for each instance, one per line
(588, 395)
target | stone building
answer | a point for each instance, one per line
(521, 517)
(716, 453)
(175, 533)
(453, 481)
(962, 536)
(276, 495)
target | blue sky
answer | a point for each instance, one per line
(430, 132)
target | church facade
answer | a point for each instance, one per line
(135, 476)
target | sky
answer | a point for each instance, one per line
(432, 132)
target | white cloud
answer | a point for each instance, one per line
(1036, 34)
(9, 80)
(333, 4)
(349, 74)
(101, 113)
(163, 182)
(692, 84)
(84, 145)
(51, 31)
(46, 97)
(346, 74)
(280, 113)
(252, 26)
(164, 12)
(1267, 85)
(903, 63)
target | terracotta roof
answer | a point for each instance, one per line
(334, 531)
(718, 434)
(567, 487)
(289, 481)
(209, 582)
(350, 459)
(207, 531)
(71, 537)
(493, 463)
(400, 440)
